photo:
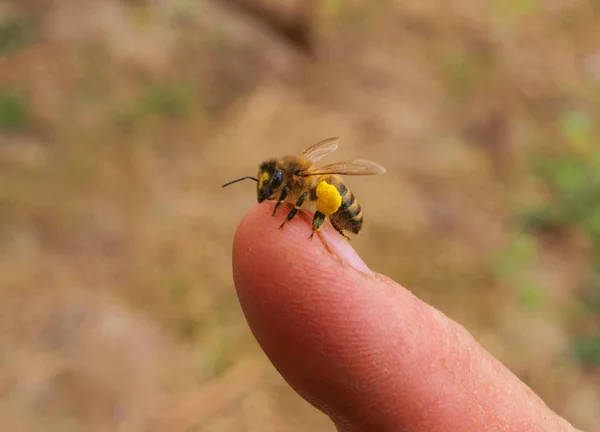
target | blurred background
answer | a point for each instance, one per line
(120, 121)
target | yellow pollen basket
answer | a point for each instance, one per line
(328, 198)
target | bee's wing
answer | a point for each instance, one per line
(356, 167)
(321, 149)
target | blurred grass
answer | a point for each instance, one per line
(117, 131)
(17, 31)
(14, 110)
(573, 203)
(172, 100)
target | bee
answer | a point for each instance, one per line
(296, 180)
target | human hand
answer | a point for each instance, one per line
(362, 348)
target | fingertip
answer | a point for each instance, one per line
(258, 229)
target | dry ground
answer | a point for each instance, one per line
(122, 119)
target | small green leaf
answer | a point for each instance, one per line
(523, 248)
(127, 119)
(590, 295)
(518, 8)
(594, 224)
(543, 217)
(168, 99)
(531, 295)
(461, 71)
(587, 350)
(17, 32)
(595, 165)
(521, 252)
(332, 7)
(570, 174)
(14, 111)
(577, 128)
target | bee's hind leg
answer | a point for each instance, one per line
(344, 235)
(293, 212)
(339, 229)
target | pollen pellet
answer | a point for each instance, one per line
(328, 198)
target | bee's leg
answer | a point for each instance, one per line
(344, 235)
(281, 199)
(317, 221)
(293, 212)
(338, 228)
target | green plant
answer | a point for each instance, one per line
(17, 32)
(571, 179)
(14, 110)
(518, 8)
(461, 71)
(521, 251)
(170, 99)
(587, 350)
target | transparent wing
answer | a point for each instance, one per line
(356, 167)
(321, 149)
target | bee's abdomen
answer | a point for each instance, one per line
(349, 216)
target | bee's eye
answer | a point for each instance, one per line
(276, 179)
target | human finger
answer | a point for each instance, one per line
(362, 348)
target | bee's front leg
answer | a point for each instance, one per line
(293, 212)
(281, 199)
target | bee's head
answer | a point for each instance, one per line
(270, 178)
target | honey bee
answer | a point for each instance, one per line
(296, 180)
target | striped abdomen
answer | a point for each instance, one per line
(349, 216)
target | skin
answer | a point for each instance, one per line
(362, 348)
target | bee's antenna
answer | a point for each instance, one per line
(240, 179)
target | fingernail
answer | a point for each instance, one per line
(345, 252)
